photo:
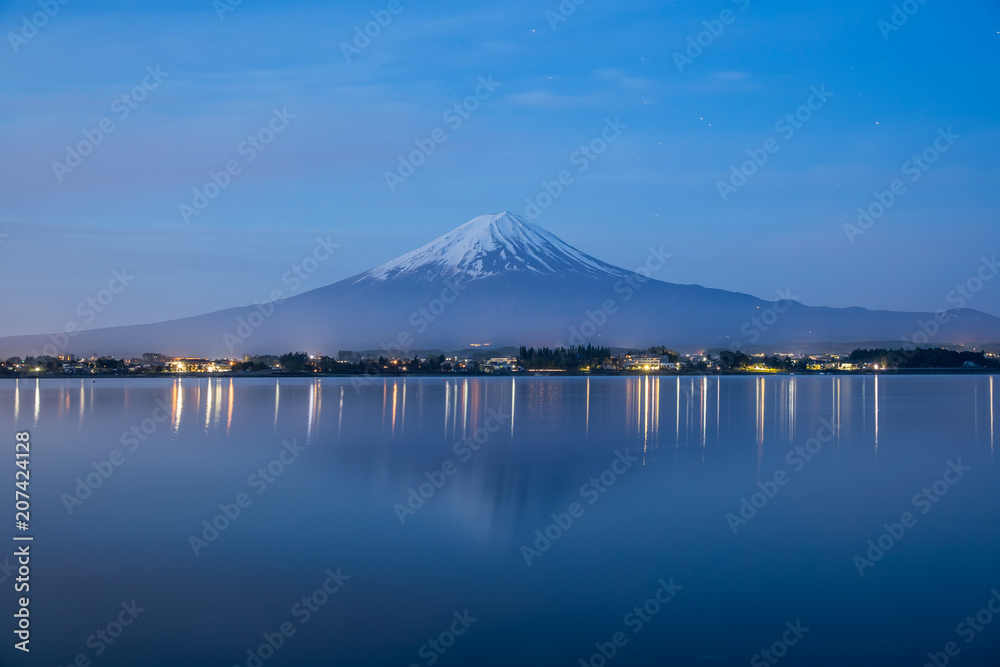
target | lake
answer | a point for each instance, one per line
(806, 520)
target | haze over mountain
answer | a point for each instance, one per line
(501, 280)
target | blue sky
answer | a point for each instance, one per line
(324, 172)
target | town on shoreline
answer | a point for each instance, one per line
(574, 360)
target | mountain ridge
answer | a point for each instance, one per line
(501, 280)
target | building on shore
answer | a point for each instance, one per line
(643, 362)
(501, 364)
(198, 365)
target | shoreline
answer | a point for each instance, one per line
(536, 373)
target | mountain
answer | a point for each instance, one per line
(502, 280)
(492, 245)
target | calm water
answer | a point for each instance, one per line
(651, 473)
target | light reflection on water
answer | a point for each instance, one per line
(542, 402)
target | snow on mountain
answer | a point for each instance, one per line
(489, 245)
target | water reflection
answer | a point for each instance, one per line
(876, 416)
(217, 410)
(340, 415)
(836, 406)
(229, 415)
(395, 399)
(447, 406)
(315, 407)
(397, 407)
(718, 404)
(465, 407)
(704, 414)
(277, 400)
(792, 410)
(559, 420)
(513, 404)
(761, 403)
(338, 500)
(38, 401)
(642, 399)
(208, 405)
(176, 404)
(677, 414)
(589, 407)
(545, 403)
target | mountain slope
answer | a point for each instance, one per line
(501, 280)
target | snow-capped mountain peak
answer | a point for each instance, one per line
(489, 245)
